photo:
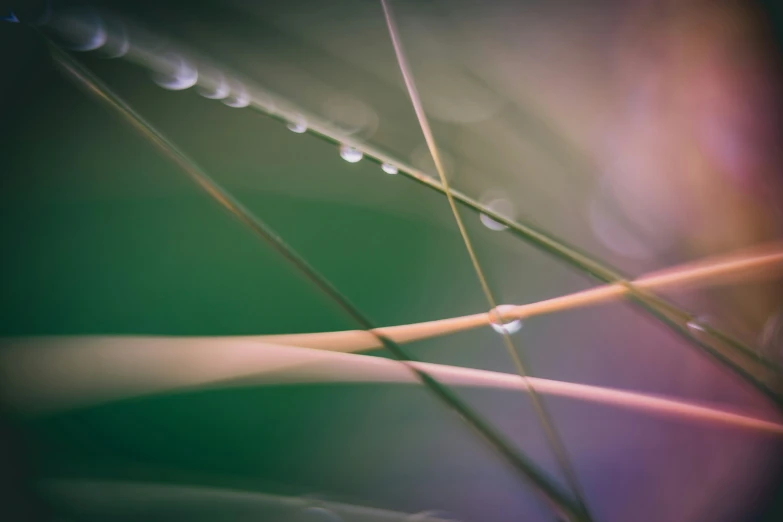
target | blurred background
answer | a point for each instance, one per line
(646, 133)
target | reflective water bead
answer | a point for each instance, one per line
(697, 323)
(183, 77)
(238, 100)
(350, 154)
(388, 168)
(500, 206)
(505, 327)
(297, 126)
(491, 223)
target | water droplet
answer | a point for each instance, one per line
(183, 76)
(238, 98)
(697, 323)
(491, 223)
(500, 206)
(218, 90)
(505, 327)
(388, 168)
(350, 154)
(298, 125)
(319, 514)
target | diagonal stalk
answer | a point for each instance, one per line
(517, 356)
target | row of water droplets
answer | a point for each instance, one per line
(86, 30)
(172, 69)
